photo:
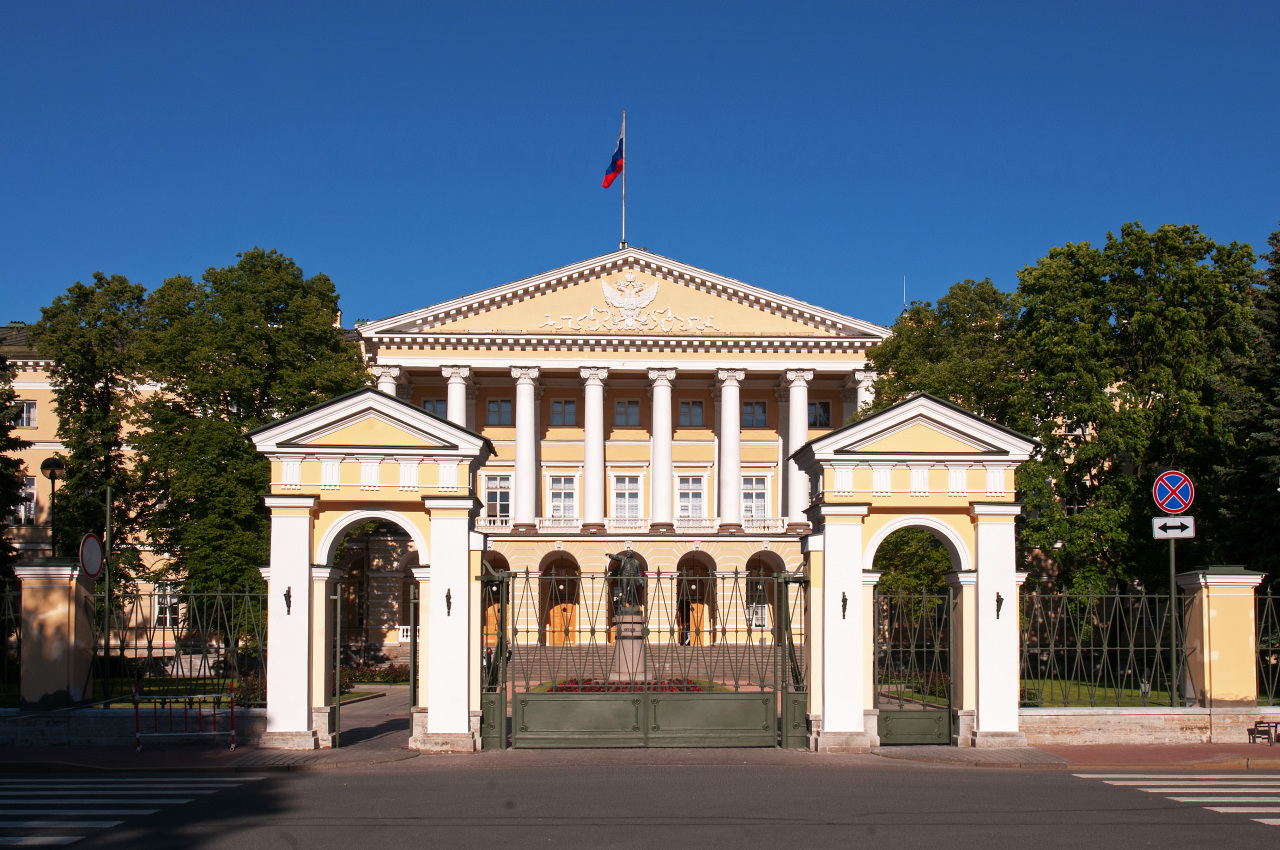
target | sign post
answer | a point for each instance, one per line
(1174, 493)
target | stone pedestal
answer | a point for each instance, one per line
(57, 635)
(628, 648)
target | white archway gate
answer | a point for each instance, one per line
(362, 456)
(930, 464)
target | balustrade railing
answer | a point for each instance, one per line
(559, 523)
(633, 523)
(764, 524)
(696, 525)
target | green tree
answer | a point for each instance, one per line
(1128, 354)
(962, 350)
(913, 561)
(244, 346)
(89, 334)
(1253, 473)
(11, 467)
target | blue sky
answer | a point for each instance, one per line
(415, 152)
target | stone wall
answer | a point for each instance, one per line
(102, 727)
(1064, 726)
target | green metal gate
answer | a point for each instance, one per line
(913, 667)
(678, 659)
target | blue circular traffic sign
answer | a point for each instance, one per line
(1173, 491)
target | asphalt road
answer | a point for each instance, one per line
(690, 799)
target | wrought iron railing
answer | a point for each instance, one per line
(173, 642)
(1267, 620)
(1111, 650)
(11, 651)
(913, 650)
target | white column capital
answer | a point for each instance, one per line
(386, 378)
(662, 377)
(865, 378)
(730, 377)
(525, 374)
(798, 377)
(593, 375)
(456, 373)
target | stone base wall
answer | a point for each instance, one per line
(1064, 726)
(100, 727)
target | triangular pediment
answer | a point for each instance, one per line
(633, 293)
(920, 428)
(368, 422)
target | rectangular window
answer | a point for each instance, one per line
(26, 415)
(564, 412)
(436, 407)
(755, 498)
(626, 496)
(167, 613)
(499, 412)
(497, 496)
(753, 414)
(819, 414)
(691, 414)
(626, 414)
(563, 497)
(25, 513)
(690, 497)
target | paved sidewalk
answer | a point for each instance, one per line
(1094, 756)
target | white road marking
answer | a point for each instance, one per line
(38, 840)
(1245, 810)
(90, 812)
(95, 801)
(58, 824)
(1203, 788)
(1226, 799)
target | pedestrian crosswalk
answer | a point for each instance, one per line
(1243, 793)
(56, 811)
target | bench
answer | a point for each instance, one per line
(1264, 730)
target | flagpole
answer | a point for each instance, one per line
(625, 155)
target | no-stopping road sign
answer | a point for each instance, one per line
(1173, 491)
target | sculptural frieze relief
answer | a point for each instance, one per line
(627, 308)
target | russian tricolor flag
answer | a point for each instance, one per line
(615, 165)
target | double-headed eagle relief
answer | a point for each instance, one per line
(629, 300)
(627, 309)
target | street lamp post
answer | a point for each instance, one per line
(54, 469)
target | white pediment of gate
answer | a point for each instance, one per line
(369, 422)
(921, 429)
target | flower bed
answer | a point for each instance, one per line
(585, 686)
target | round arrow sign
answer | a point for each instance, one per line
(1173, 491)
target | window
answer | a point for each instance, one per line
(436, 407)
(25, 513)
(499, 412)
(753, 414)
(691, 414)
(627, 414)
(626, 497)
(690, 497)
(166, 597)
(819, 414)
(26, 415)
(497, 496)
(755, 498)
(563, 497)
(564, 412)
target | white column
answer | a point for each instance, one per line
(845, 654)
(996, 720)
(866, 380)
(448, 688)
(730, 450)
(459, 377)
(524, 511)
(289, 612)
(797, 483)
(386, 376)
(593, 448)
(661, 515)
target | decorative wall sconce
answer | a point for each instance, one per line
(448, 603)
(288, 600)
(844, 605)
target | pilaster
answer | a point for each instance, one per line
(1222, 633)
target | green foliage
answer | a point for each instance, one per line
(1127, 352)
(913, 561)
(1252, 472)
(89, 333)
(11, 467)
(962, 350)
(244, 346)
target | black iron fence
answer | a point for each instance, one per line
(172, 643)
(1109, 650)
(1267, 620)
(11, 652)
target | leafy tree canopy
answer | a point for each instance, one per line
(11, 468)
(245, 345)
(913, 561)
